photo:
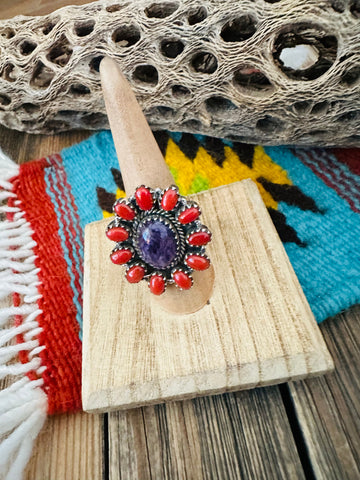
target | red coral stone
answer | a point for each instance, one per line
(197, 262)
(135, 274)
(182, 280)
(157, 284)
(124, 211)
(199, 238)
(189, 215)
(117, 234)
(119, 257)
(169, 199)
(144, 198)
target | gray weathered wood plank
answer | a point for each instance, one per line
(328, 408)
(243, 435)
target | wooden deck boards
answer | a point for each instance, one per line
(327, 407)
(304, 429)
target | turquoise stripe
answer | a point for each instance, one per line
(74, 223)
(329, 267)
(51, 180)
(87, 166)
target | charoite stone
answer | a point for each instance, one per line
(157, 243)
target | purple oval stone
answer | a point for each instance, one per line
(157, 243)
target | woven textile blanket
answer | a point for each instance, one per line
(312, 195)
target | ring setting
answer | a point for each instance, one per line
(159, 238)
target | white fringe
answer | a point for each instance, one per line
(23, 403)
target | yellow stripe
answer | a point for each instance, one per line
(192, 176)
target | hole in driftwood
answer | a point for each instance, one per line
(218, 104)
(68, 113)
(252, 78)
(338, 5)
(82, 29)
(197, 15)
(126, 35)
(48, 28)
(8, 72)
(320, 108)
(179, 91)
(238, 29)
(162, 111)
(146, 74)
(161, 10)
(113, 8)
(56, 126)
(319, 47)
(166, 112)
(95, 63)
(42, 76)
(353, 140)
(171, 48)
(269, 124)
(349, 116)
(95, 119)
(30, 107)
(351, 76)
(90, 119)
(60, 52)
(7, 33)
(317, 134)
(29, 123)
(302, 107)
(204, 62)
(79, 89)
(355, 8)
(27, 47)
(193, 124)
(272, 1)
(4, 99)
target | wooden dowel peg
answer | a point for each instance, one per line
(141, 163)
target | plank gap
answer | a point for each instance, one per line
(106, 450)
(297, 432)
(146, 442)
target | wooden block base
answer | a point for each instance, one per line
(257, 328)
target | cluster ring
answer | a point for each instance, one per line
(159, 238)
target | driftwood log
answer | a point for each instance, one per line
(230, 68)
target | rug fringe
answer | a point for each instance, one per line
(23, 403)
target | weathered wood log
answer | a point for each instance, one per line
(270, 72)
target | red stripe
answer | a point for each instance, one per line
(60, 335)
(320, 173)
(349, 156)
(341, 177)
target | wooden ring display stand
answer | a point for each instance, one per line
(245, 322)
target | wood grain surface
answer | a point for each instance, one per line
(70, 447)
(328, 408)
(261, 433)
(232, 436)
(10, 8)
(257, 329)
